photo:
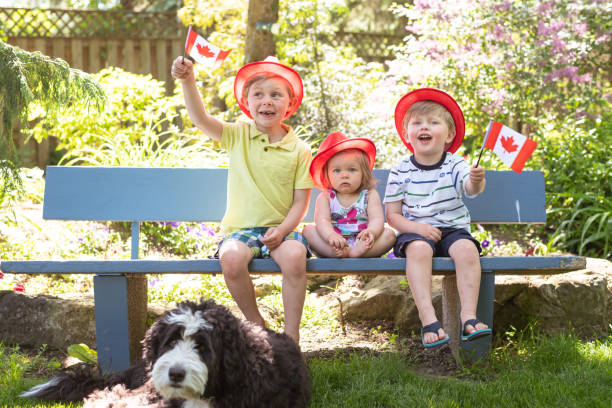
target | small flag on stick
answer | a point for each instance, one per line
(510, 146)
(204, 52)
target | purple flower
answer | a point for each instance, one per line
(154, 282)
(207, 229)
(391, 255)
(497, 242)
(175, 224)
(485, 243)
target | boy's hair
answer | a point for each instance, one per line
(367, 181)
(264, 76)
(428, 107)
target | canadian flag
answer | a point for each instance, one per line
(509, 145)
(202, 51)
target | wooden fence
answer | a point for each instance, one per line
(89, 40)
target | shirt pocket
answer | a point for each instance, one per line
(280, 172)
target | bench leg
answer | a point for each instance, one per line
(120, 319)
(450, 311)
(112, 333)
(479, 348)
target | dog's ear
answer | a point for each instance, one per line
(151, 344)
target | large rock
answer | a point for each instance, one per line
(580, 300)
(389, 298)
(37, 320)
(55, 321)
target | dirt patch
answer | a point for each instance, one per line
(374, 338)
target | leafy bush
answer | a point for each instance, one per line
(579, 184)
(180, 238)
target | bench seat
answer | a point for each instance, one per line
(506, 265)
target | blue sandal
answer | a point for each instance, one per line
(433, 328)
(476, 334)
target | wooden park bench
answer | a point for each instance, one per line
(182, 194)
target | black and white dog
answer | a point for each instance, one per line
(196, 356)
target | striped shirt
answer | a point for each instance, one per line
(431, 194)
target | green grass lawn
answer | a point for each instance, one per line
(527, 371)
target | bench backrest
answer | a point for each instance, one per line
(187, 194)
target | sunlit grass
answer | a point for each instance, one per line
(527, 370)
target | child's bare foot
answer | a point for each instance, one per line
(358, 250)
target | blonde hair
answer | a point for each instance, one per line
(429, 107)
(367, 181)
(263, 77)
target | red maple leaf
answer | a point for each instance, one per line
(507, 143)
(205, 51)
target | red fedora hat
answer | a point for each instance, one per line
(335, 143)
(270, 65)
(434, 95)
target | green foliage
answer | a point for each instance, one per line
(27, 78)
(18, 369)
(83, 353)
(579, 184)
(136, 129)
(181, 238)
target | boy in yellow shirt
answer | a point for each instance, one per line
(268, 182)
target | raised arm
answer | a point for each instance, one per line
(212, 127)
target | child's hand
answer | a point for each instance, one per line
(477, 174)
(273, 238)
(336, 241)
(182, 69)
(366, 237)
(429, 232)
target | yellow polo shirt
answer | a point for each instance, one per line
(262, 176)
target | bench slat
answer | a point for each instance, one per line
(185, 194)
(519, 265)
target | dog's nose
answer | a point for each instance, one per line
(176, 374)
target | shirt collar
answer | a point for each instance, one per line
(287, 142)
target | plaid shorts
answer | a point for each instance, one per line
(252, 238)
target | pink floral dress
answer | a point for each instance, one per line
(349, 221)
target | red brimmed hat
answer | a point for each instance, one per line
(335, 143)
(434, 95)
(270, 65)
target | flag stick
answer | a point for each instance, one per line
(185, 47)
(484, 142)
(480, 155)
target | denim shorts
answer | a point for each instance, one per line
(252, 238)
(440, 248)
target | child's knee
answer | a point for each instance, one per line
(292, 251)
(234, 256)
(464, 250)
(418, 249)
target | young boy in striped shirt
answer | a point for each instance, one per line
(424, 204)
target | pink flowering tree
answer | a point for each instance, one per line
(522, 63)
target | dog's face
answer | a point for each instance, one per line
(181, 354)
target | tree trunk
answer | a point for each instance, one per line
(259, 39)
